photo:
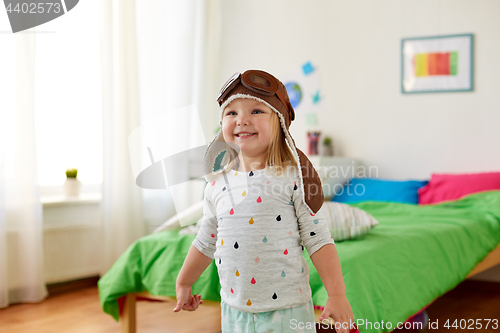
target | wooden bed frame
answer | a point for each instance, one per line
(128, 315)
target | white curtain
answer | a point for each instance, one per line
(155, 58)
(122, 214)
(21, 229)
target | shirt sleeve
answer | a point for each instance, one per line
(207, 234)
(313, 229)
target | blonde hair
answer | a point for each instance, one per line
(278, 153)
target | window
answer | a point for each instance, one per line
(68, 109)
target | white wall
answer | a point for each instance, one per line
(355, 45)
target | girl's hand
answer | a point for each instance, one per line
(185, 301)
(339, 309)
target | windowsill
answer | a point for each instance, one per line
(62, 200)
(53, 196)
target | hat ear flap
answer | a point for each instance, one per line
(291, 111)
(313, 192)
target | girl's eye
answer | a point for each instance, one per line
(230, 113)
(257, 111)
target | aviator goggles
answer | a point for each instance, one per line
(260, 82)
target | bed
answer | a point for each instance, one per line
(392, 273)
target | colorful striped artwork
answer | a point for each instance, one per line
(431, 64)
(437, 63)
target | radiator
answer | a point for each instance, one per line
(71, 242)
(70, 253)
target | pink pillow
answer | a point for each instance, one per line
(446, 187)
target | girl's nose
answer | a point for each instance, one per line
(242, 120)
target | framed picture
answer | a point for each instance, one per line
(437, 64)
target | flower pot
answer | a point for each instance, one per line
(327, 151)
(72, 187)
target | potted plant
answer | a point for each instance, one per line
(72, 185)
(327, 146)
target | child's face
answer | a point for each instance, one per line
(250, 116)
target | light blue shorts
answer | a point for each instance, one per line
(297, 319)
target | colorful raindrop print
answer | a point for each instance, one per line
(295, 187)
(231, 211)
(283, 274)
(224, 188)
(237, 273)
(291, 203)
(219, 261)
(249, 303)
(267, 183)
(278, 218)
(251, 173)
(300, 289)
(244, 193)
(259, 199)
(316, 221)
(257, 259)
(302, 269)
(251, 221)
(236, 245)
(290, 233)
(285, 252)
(232, 291)
(213, 183)
(236, 173)
(221, 242)
(212, 235)
(275, 296)
(312, 233)
(253, 281)
(265, 239)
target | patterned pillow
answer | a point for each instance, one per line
(345, 221)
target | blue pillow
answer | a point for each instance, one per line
(369, 189)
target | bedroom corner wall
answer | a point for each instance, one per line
(356, 47)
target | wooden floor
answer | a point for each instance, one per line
(470, 300)
(79, 311)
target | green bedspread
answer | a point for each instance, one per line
(415, 255)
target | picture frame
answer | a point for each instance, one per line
(437, 64)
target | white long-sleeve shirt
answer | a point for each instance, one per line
(254, 224)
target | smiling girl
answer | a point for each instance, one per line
(260, 213)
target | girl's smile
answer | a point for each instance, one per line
(245, 135)
(245, 122)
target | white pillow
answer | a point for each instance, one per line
(345, 221)
(188, 216)
(191, 229)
